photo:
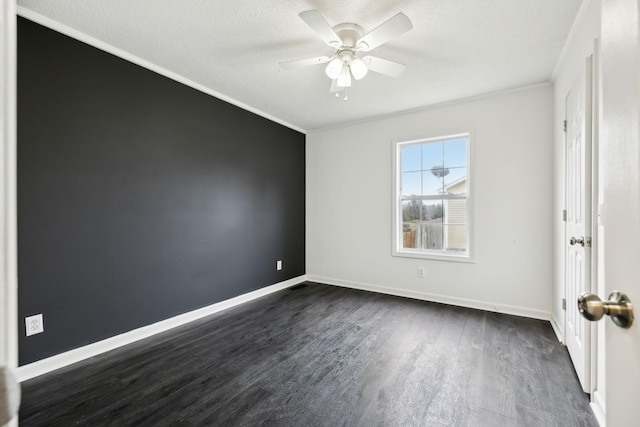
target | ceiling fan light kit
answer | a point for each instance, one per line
(347, 39)
(346, 62)
(334, 69)
(344, 79)
(358, 68)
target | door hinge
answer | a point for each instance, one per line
(565, 126)
(564, 303)
(564, 214)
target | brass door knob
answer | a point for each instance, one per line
(617, 306)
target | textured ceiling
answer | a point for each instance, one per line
(457, 48)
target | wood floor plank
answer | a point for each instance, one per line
(319, 355)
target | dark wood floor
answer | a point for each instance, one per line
(317, 355)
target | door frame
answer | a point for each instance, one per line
(597, 384)
(8, 191)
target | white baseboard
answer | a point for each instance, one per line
(67, 358)
(462, 302)
(557, 329)
(598, 408)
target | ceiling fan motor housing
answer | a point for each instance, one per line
(349, 34)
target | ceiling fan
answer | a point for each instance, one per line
(348, 40)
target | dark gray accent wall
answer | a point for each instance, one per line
(140, 198)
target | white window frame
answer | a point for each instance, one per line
(397, 249)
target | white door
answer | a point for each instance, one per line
(620, 168)
(578, 222)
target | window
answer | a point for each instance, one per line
(432, 198)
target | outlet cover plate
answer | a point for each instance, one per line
(279, 265)
(34, 324)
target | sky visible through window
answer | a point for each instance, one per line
(423, 164)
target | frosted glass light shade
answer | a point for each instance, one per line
(358, 68)
(344, 79)
(334, 68)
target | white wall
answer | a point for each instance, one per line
(579, 46)
(349, 205)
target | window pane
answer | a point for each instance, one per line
(433, 210)
(429, 233)
(455, 181)
(455, 224)
(411, 183)
(431, 184)
(410, 158)
(455, 211)
(422, 224)
(455, 153)
(412, 213)
(432, 155)
(456, 237)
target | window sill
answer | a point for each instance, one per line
(437, 256)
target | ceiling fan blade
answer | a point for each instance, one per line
(304, 62)
(386, 31)
(382, 66)
(317, 23)
(334, 86)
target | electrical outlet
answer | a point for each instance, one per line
(420, 272)
(34, 324)
(279, 265)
